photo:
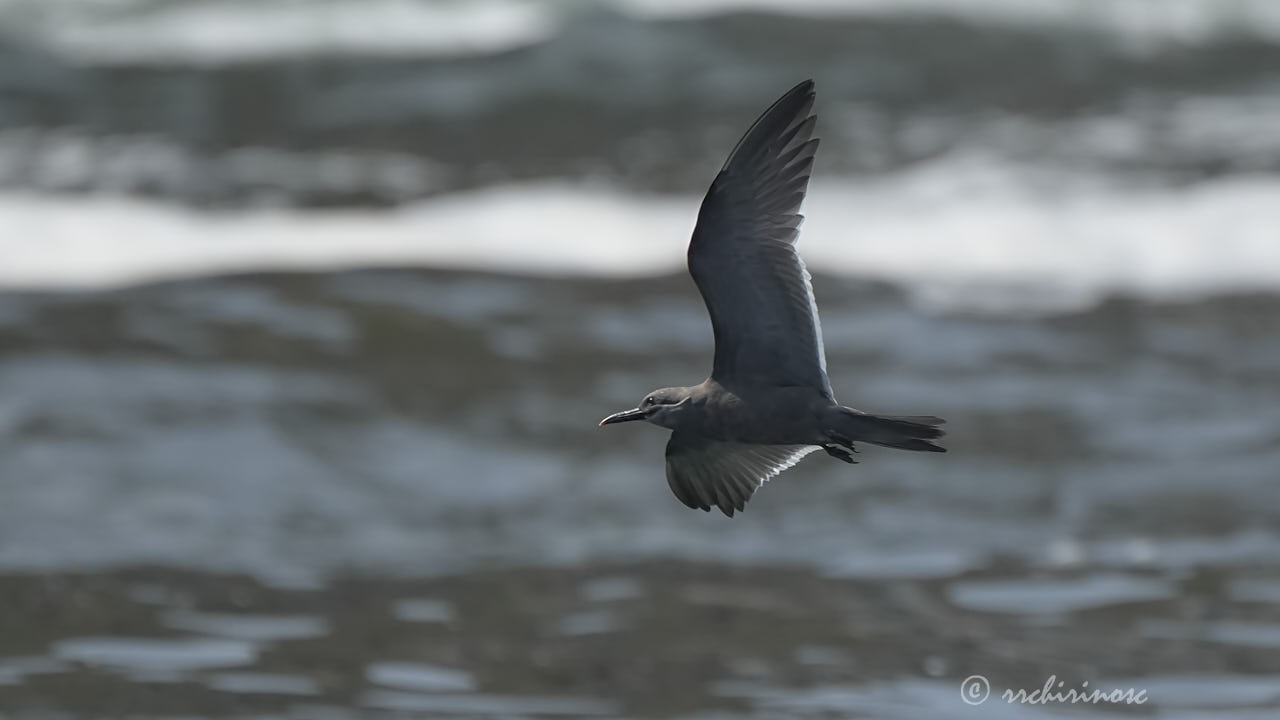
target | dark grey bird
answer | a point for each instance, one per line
(768, 402)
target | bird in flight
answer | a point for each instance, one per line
(768, 402)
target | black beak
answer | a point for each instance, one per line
(624, 416)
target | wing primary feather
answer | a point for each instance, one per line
(763, 127)
(808, 149)
(802, 129)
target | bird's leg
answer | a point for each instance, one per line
(840, 453)
(841, 440)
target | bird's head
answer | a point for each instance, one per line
(660, 407)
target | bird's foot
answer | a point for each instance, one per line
(840, 439)
(840, 453)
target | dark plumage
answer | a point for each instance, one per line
(768, 402)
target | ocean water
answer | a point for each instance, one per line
(308, 312)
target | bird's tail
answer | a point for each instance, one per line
(904, 432)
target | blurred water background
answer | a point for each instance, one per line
(308, 311)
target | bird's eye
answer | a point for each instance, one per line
(649, 401)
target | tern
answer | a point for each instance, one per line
(768, 402)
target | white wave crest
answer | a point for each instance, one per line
(956, 233)
(215, 31)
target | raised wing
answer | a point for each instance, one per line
(743, 256)
(704, 472)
